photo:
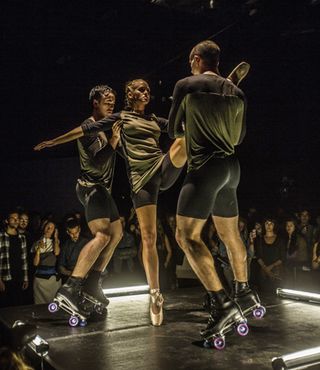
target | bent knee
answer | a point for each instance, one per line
(188, 240)
(103, 238)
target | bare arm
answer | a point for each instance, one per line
(65, 138)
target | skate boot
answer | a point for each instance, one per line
(92, 293)
(225, 316)
(156, 298)
(69, 299)
(239, 73)
(248, 300)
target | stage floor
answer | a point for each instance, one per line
(126, 340)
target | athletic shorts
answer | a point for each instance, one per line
(97, 202)
(162, 180)
(211, 190)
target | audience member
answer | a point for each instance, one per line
(71, 248)
(46, 250)
(316, 255)
(13, 263)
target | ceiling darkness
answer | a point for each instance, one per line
(53, 52)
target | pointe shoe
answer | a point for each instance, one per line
(239, 73)
(157, 299)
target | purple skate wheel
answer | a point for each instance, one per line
(73, 321)
(83, 323)
(53, 307)
(242, 329)
(219, 343)
(258, 313)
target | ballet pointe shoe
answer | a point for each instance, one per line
(239, 73)
(156, 298)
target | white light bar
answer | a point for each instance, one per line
(297, 360)
(296, 294)
(126, 290)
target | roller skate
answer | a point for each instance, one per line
(93, 295)
(239, 73)
(156, 298)
(69, 299)
(248, 300)
(225, 316)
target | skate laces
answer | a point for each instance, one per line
(156, 297)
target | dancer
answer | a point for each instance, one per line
(209, 111)
(97, 160)
(149, 170)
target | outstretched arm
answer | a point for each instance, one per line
(65, 138)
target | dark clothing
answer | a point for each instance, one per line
(97, 202)
(140, 142)
(15, 258)
(70, 252)
(212, 109)
(163, 179)
(270, 253)
(97, 160)
(212, 189)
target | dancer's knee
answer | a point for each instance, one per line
(149, 239)
(188, 240)
(102, 238)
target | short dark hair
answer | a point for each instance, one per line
(71, 223)
(209, 52)
(97, 92)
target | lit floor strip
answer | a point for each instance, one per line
(296, 294)
(126, 290)
(297, 360)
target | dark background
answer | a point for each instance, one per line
(54, 52)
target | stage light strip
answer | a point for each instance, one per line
(126, 290)
(296, 294)
(297, 360)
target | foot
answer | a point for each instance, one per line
(156, 307)
(239, 73)
(248, 300)
(95, 293)
(69, 297)
(222, 319)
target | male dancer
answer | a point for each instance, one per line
(97, 160)
(210, 111)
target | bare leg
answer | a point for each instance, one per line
(178, 153)
(91, 251)
(115, 237)
(228, 231)
(188, 236)
(147, 217)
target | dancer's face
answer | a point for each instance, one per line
(140, 93)
(104, 107)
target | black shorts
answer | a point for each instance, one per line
(97, 202)
(211, 190)
(162, 180)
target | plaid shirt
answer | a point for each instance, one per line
(5, 274)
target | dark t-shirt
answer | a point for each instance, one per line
(70, 252)
(270, 253)
(15, 259)
(212, 111)
(97, 160)
(140, 142)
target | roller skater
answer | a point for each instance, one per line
(209, 111)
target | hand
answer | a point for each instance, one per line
(2, 286)
(44, 144)
(116, 129)
(25, 285)
(253, 235)
(56, 234)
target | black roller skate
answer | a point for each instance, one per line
(225, 316)
(92, 294)
(69, 299)
(248, 300)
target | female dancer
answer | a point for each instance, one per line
(149, 170)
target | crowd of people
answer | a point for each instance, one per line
(38, 254)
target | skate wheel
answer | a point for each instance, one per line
(53, 307)
(73, 321)
(219, 343)
(242, 329)
(83, 323)
(258, 313)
